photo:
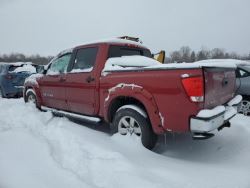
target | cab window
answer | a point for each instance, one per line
(85, 59)
(59, 65)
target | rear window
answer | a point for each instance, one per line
(119, 51)
(22, 68)
(13, 68)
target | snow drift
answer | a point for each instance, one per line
(39, 150)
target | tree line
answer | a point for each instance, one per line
(19, 57)
(186, 54)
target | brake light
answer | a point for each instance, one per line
(9, 77)
(194, 87)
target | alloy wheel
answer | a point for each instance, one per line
(245, 107)
(31, 99)
(128, 125)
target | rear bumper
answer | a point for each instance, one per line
(13, 91)
(206, 124)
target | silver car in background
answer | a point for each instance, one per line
(243, 87)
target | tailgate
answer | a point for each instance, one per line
(219, 85)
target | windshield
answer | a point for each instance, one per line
(247, 68)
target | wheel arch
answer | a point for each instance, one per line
(35, 91)
(130, 95)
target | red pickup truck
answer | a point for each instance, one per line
(99, 81)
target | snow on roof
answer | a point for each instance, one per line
(117, 41)
(25, 68)
(141, 62)
(16, 63)
(69, 50)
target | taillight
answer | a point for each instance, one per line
(9, 77)
(194, 87)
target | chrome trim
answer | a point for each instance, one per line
(19, 87)
(208, 124)
(70, 114)
(205, 125)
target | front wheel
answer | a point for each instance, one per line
(130, 122)
(30, 97)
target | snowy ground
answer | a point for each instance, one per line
(37, 150)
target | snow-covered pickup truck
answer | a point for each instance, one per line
(118, 81)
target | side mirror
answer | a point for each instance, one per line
(160, 56)
(40, 69)
(61, 71)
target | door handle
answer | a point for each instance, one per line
(62, 79)
(90, 79)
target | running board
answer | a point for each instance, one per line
(202, 136)
(70, 114)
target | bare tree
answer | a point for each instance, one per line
(185, 52)
(217, 53)
(193, 56)
(176, 57)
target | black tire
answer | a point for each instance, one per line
(28, 96)
(148, 137)
(1, 93)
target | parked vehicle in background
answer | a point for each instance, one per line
(12, 76)
(243, 83)
(119, 82)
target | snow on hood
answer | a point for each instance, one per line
(32, 79)
(25, 68)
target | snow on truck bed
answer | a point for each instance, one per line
(39, 150)
(141, 62)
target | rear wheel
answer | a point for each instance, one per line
(130, 122)
(1, 93)
(245, 107)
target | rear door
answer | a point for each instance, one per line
(220, 85)
(52, 85)
(81, 82)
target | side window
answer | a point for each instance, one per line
(85, 60)
(1, 69)
(59, 65)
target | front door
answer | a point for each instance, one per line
(53, 83)
(81, 83)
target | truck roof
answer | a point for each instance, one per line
(115, 41)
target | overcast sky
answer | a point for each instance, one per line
(49, 26)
